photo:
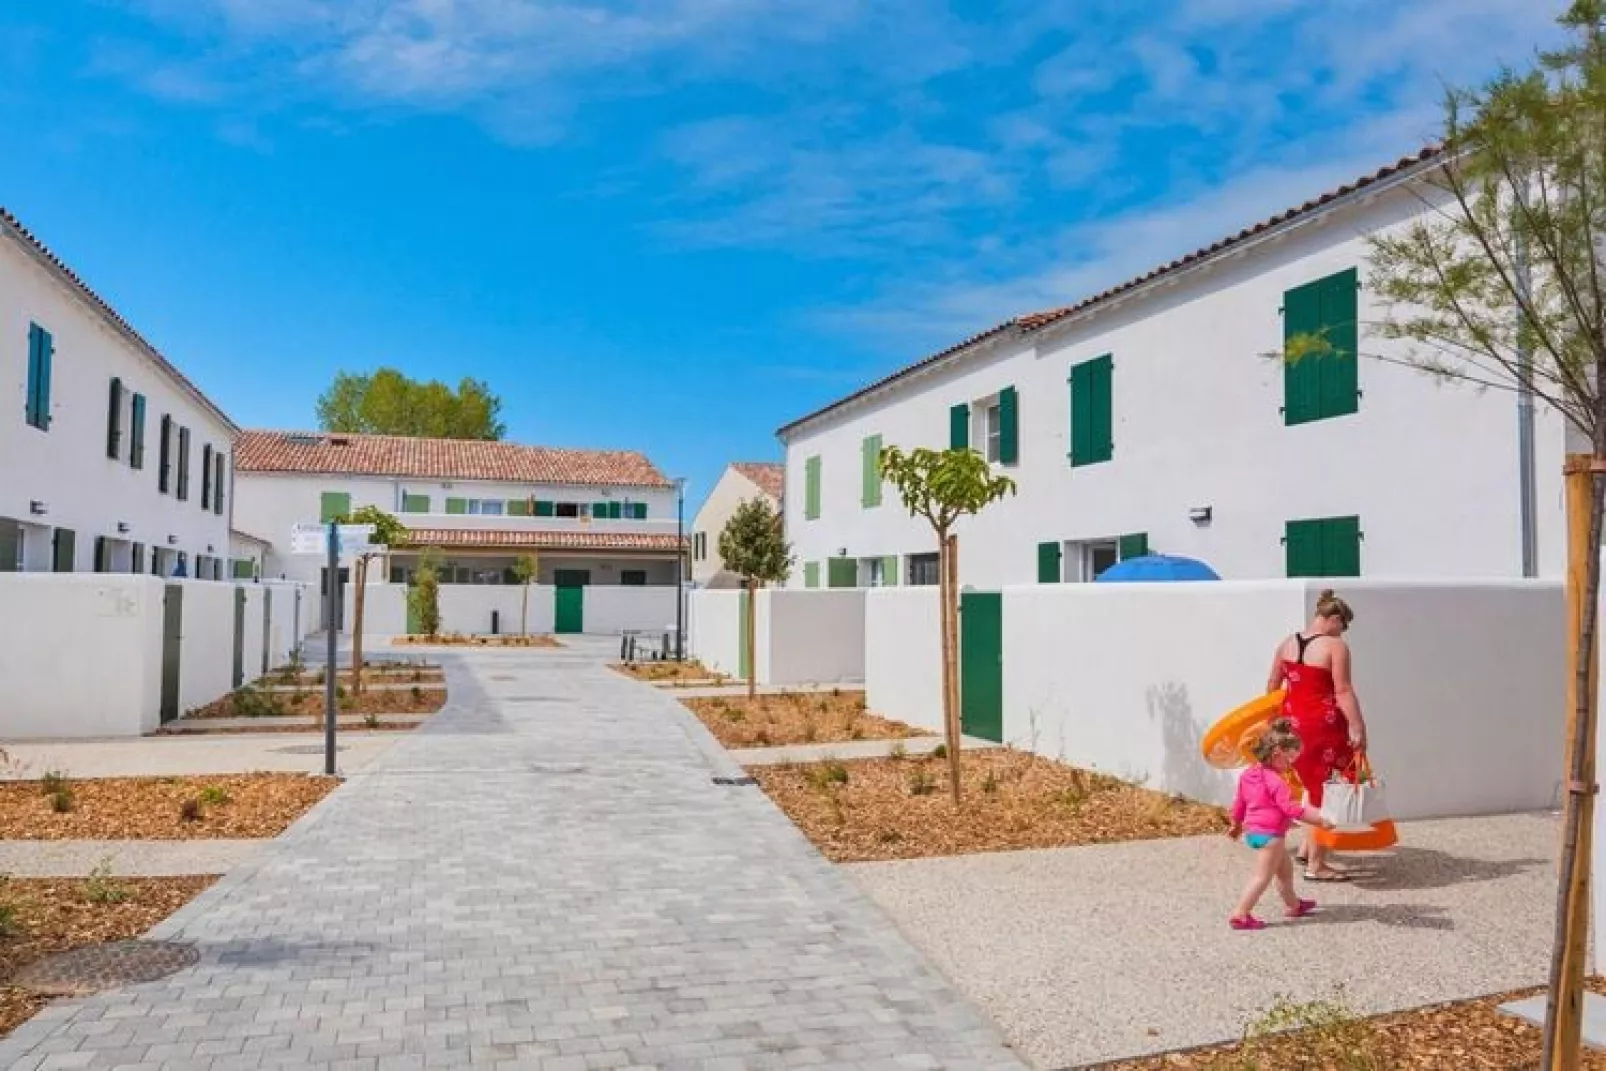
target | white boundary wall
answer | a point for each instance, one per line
(716, 622)
(466, 608)
(206, 655)
(1462, 683)
(800, 636)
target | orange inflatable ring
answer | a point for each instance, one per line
(1380, 836)
(1225, 743)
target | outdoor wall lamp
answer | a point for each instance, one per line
(209, 549)
(842, 552)
(171, 540)
(1200, 514)
(122, 527)
(37, 508)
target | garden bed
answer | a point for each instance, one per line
(1465, 1036)
(688, 672)
(47, 916)
(275, 725)
(253, 702)
(456, 639)
(900, 808)
(793, 718)
(381, 673)
(156, 808)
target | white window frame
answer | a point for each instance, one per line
(992, 429)
(484, 507)
(1078, 564)
(920, 559)
(872, 573)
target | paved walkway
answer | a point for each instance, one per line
(544, 876)
(126, 858)
(1083, 955)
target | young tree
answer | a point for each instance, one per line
(1499, 284)
(525, 569)
(943, 486)
(754, 547)
(424, 593)
(386, 402)
(388, 532)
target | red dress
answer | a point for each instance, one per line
(1312, 705)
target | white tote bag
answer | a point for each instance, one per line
(1355, 807)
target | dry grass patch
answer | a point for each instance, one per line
(669, 672)
(253, 702)
(793, 718)
(157, 808)
(1323, 1036)
(458, 639)
(43, 916)
(899, 808)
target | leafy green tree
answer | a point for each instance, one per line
(526, 567)
(388, 532)
(943, 486)
(386, 402)
(754, 547)
(1499, 284)
(424, 593)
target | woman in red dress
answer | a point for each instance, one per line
(1315, 667)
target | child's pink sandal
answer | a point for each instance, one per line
(1248, 922)
(1305, 907)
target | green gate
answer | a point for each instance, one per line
(569, 600)
(981, 665)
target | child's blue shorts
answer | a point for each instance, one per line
(1258, 841)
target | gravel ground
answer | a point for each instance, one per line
(175, 756)
(127, 858)
(1083, 955)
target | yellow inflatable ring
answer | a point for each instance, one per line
(1224, 742)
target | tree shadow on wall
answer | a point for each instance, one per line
(1183, 769)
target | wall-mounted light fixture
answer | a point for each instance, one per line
(172, 540)
(37, 508)
(209, 548)
(1201, 514)
(842, 552)
(122, 527)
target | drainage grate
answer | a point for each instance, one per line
(98, 967)
(735, 782)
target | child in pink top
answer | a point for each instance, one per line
(1263, 812)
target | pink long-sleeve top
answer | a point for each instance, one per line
(1264, 804)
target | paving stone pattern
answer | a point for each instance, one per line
(551, 883)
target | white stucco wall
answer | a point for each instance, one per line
(1430, 470)
(903, 656)
(80, 654)
(715, 637)
(251, 648)
(67, 467)
(813, 637)
(467, 608)
(206, 653)
(730, 491)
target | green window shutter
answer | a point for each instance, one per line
(206, 476)
(217, 482)
(1048, 563)
(1133, 546)
(599, 509)
(616, 511)
(332, 505)
(1304, 544)
(1341, 549)
(136, 451)
(889, 571)
(543, 509)
(638, 511)
(1092, 411)
(1339, 389)
(31, 404)
(871, 463)
(959, 427)
(1009, 426)
(842, 573)
(40, 352)
(114, 419)
(1081, 422)
(811, 489)
(518, 507)
(183, 464)
(244, 569)
(164, 469)
(457, 505)
(415, 503)
(811, 574)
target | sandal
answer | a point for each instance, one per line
(1248, 922)
(1305, 907)
(1326, 875)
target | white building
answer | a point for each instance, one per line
(114, 461)
(1157, 416)
(742, 481)
(591, 517)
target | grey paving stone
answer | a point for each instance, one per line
(519, 883)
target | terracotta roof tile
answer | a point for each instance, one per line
(769, 476)
(444, 459)
(11, 224)
(568, 539)
(1038, 320)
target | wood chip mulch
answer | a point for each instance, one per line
(1465, 1036)
(899, 808)
(247, 703)
(455, 640)
(793, 718)
(51, 915)
(370, 675)
(150, 808)
(668, 672)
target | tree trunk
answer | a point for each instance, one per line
(524, 610)
(751, 626)
(356, 627)
(1564, 1016)
(948, 594)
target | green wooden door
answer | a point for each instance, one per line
(569, 600)
(744, 649)
(981, 665)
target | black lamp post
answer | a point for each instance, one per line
(680, 570)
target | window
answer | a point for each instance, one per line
(103, 557)
(870, 462)
(1092, 424)
(333, 505)
(520, 507)
(611, 511)
(699, 546)
(870, 570)
(183, 464)
(1321, 334)
(994, 430)
(164, 465)
(40, 351)
(114, 422)
(811, 489)
(217, 482)
(415, 503)
(567, 509)
(878, 572)
(1093, 557)
(923, 570)
(63, 550)
(1086, 560)
(634, 578)
(136, 433)
(490, 507)
(1322, 547)
(136, 560)
(206, 476)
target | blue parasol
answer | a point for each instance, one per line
(1157, 569)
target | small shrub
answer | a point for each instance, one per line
(101, 888)
(8, 920)
(346, 702)
(940, 751)
(898, 751)
(855, 733)
(824, 706)
(214, 796)
(889, 836)
(989, 784)
(418, 693)
(827, 774)
(190, 810)
(254, 702)
(52, 782)
(62, 801)
(921, 783)
(340, 691)
(1330, 1036)
(762, 738)
(733, 715)
(836, 693)
(811, 732)
(371, 720)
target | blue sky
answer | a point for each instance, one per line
(673, 225)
